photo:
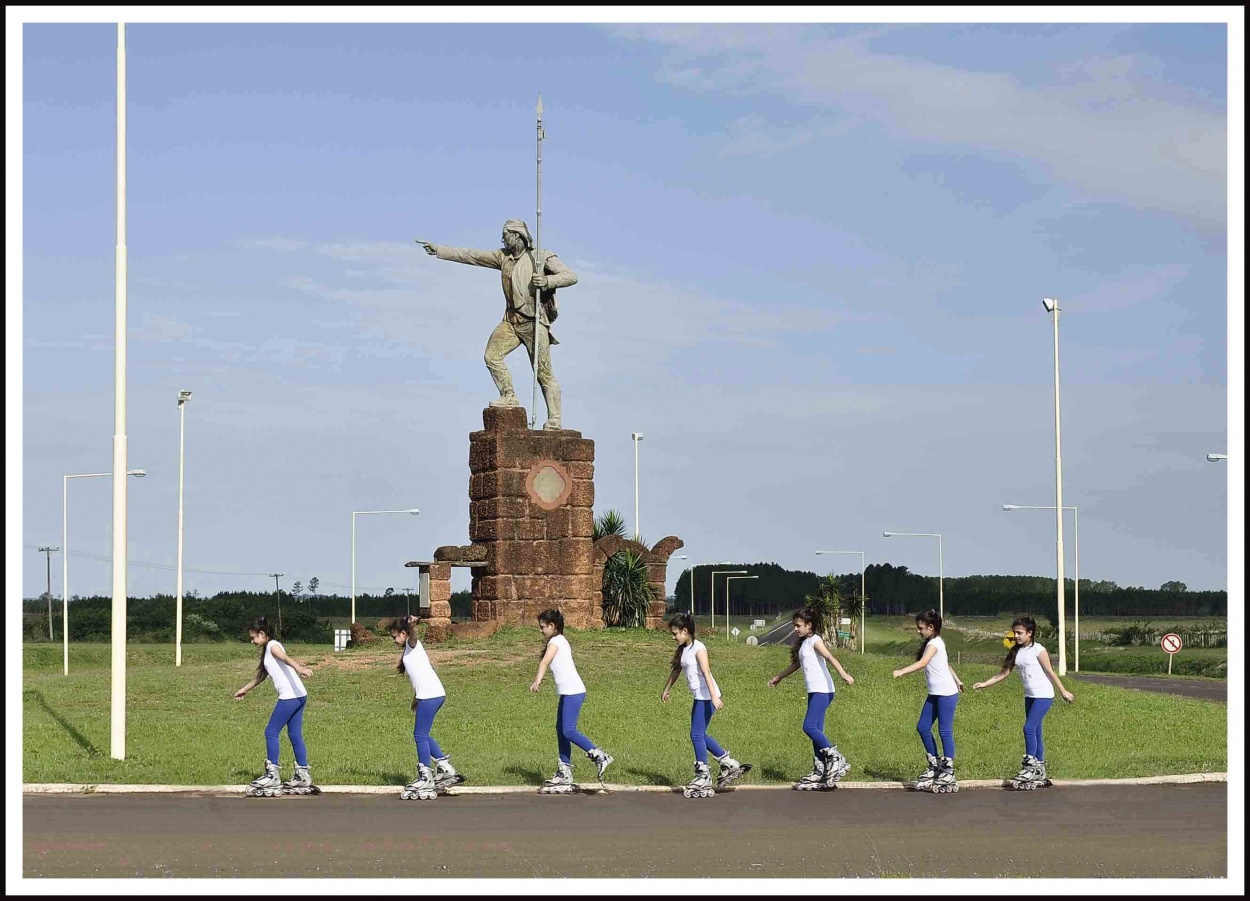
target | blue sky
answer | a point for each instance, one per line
(811, 260)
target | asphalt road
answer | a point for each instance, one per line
(1204, 689)
(1167, 830)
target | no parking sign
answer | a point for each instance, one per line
(1170, 643)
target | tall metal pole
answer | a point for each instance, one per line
(117, 736)
(1059, 586)
(637, 524)
(65, 572)
(353, 568)
(1076, 590)
(941, 582)
(538, 261)
(182, 420)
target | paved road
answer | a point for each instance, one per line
(1168, 830)
(782, 633)
(1205, 689)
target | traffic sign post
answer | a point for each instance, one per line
(1171, 643)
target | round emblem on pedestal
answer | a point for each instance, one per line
(548, 484)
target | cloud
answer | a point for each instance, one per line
(282, 245)
(1104, 126)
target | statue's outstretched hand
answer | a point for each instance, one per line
(431, 249)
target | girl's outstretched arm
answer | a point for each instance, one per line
(992, 680)
(238, 695)
(929, 653)
(1044, 657)
(788, 671)
(413, 622)
(824, 652)
(280, 654)
(548, 656)
(701, 657)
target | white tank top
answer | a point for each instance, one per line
(937, 672)
(284, 677)
(694, 675)
(1036, 684)
(425, 684)
(815, 670)
(562, 669)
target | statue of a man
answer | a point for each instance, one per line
(520, 285)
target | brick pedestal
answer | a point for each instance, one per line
(531, 521)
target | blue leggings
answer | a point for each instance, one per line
(289, 713)
(426, 745)
(943, 707)
(814, 722)
(1034, 710)
(700, 716)
(567, 712)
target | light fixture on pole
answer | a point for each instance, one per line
(1051, 306)
(138, 474)
(1076, 590)
(183, 397)
(941, 577)
(729, 579)
(712, 601)
(1216, 458)
(637, 437)
(47, 554)
(414, 511)
(117, 680)
(863, 600)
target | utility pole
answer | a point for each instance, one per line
(47, 552)
(278, 591)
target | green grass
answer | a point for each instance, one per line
(184, 728)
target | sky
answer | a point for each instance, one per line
(811, 260)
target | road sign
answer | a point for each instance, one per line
(752, 640)
(734, 631)
(1170, 643)
(845, 621)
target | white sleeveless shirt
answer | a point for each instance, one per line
(284, 677)
(815, 670)
(425, 682)
(694, 674)
(1036, 684)
(568, 682)
(937, 672)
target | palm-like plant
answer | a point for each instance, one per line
(626, 593)
(827, 604)
(853, 606)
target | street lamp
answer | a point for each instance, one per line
(938, 536)
(729, 579)
(863, 601)
(686, 557)
(138, 474)
(1216, 458)
(636, 436)
(1052, 307)
(183, 397)
(712, 601)
(1076, 591)
(414, 511)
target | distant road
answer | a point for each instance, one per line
(1141, 831)
(1204, 689)
(782, 633)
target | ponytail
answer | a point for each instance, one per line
(681, 621)
(929, 618)
(1030, 626)
(809, 616)
(258, 627)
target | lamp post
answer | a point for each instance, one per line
(685, 557)
(941, 578)
(863, 601)
(637, 437)
(117, 671)
(729, 579)
(1216, 458)
(414, 511)
(183, 397)
(1051, 306)
(138, 474)
(712, 602)
(47, 554)
(1076, 591)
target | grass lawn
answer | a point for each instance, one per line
(184, 728)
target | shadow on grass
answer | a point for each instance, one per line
(775, 774)
(652, 777)
(79, 739)
(529, 774)
(889, 775)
